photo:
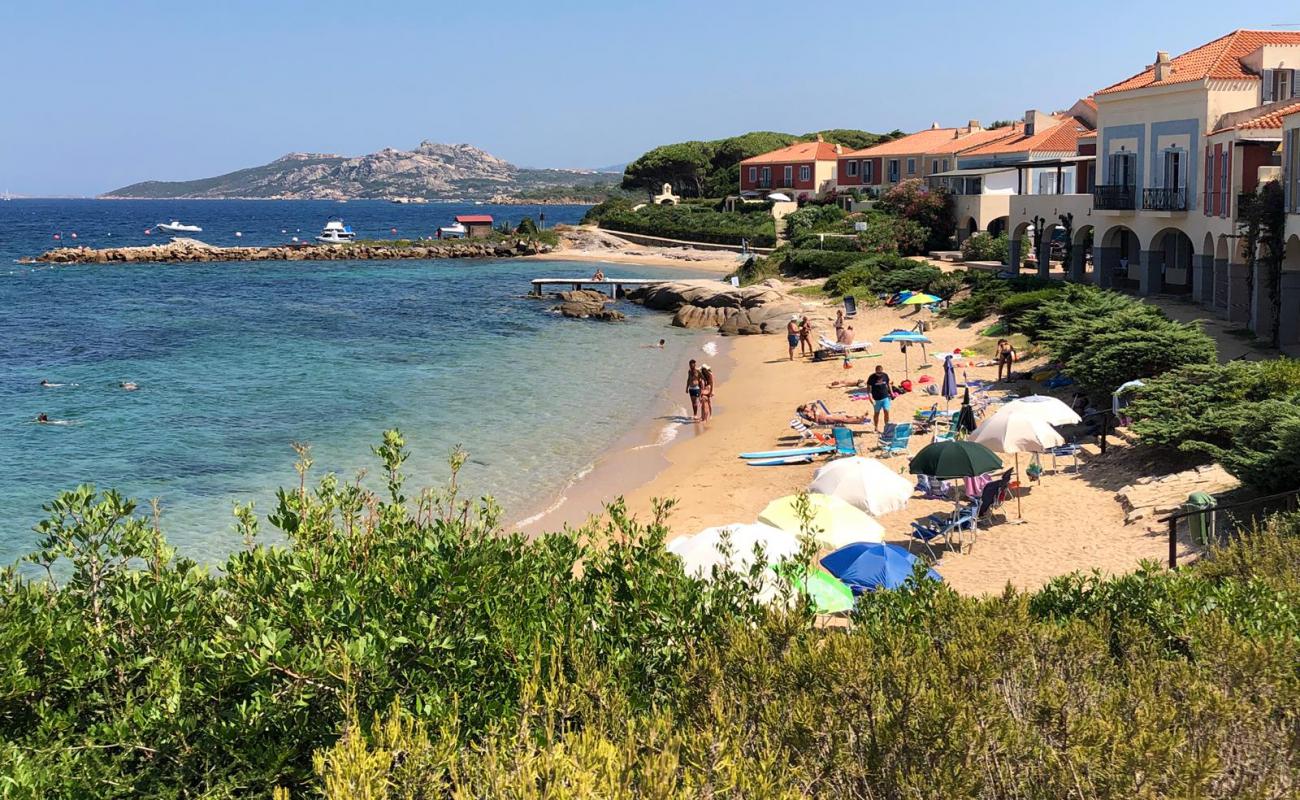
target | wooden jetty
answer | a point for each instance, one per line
(617, 284)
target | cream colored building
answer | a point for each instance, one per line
(1175, 147)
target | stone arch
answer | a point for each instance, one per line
(1081, 253)
(1207, 246)
(1167, 263)
(1116, 254)
(1019, 248)
(1291, 256)
(998, 225)
(1221, 249)
(970, 228)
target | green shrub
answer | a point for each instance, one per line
(916, 279)
(815, 219)
(813, 241)
(929, 208)
(987, 247)
(1015, 306)
(817, 263)
(1102, 354)
(859, 274)
(698, 223)
(891, 235)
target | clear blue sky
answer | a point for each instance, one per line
(101, 94)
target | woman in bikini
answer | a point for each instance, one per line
(693, 388)
(1006, 357)
(706, 392)
(805, 336)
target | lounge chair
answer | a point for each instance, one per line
(806, 433)
(836, 347)
(948, 527)
(895, 441)
(1070, 451)
(950, 433)
(844, 444)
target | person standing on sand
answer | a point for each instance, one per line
(878, 382)
(845, 335)
(693, 388)
(706, 393)
(792, 335)
(1006, 355)
(839, 323)
(805, 336)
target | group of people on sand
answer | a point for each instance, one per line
(699, 387)
(878, 383)
(799, 330)
(44, 418)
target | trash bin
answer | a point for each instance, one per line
(1200, 526)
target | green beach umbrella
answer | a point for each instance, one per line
(956, 459)
(921, 299)
(829, 594)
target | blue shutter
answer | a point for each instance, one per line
(1266, 86)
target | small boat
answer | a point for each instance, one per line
(335, 232)
(178, 227)
(455, 231)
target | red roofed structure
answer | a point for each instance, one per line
(476, 225)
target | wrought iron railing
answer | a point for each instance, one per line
(1113, 197)
(1164, 199)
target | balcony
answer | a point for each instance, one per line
(1113, 197)
(765, 183)
(1164, 199)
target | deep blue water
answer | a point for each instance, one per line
(236, 361)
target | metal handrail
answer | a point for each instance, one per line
(1114, 196)
(1174, 518)
(1164, 199)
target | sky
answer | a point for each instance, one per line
(99, 94)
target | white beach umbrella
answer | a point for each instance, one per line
(865, 483)
(836, 522)
(779, 197)
(1016, 431)
(702, 551)
(1043, 407)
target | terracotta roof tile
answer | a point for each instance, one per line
(1269, 118)
(799, 151)
(932, 140)
(1062, 137)
(1220, 58)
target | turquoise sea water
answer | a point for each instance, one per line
(235, 361)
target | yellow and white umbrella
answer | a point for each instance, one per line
(835, 523)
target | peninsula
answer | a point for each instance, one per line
(190, 250)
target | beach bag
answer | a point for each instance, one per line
(1035, 468)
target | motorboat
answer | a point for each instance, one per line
(178, 227)
(454, 231)
(335, 232)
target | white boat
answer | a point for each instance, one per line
(454, 231)
(335, 232)
(177, 227)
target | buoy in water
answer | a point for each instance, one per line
(294, 239)
(148, 231)
(238, 234)
(74, 234)
(57, 237)
(282, 230)
(392, 230)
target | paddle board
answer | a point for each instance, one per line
(791, 451)
(779, 462)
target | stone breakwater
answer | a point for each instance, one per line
(190, 250)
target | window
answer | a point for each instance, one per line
(1208, 178)
(1225, 180)
(851, 169)
(767, 177)
(1122, 169)
(1173, 172)
(868, 171)
(753, 174)
(1291, 170)
(945, 165)
(911, 166)
(805, 173)
(788, 176)
(893, 170)
(1277, 84)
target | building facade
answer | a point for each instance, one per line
(802, 171)
(915, 156)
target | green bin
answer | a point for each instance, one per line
(1200, 526)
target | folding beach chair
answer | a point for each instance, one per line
(1070, 451)
(806, 433)
(895, 441)
(844, 444)
(948, 527)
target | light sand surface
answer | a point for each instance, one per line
(587, 243)
(1072, 520)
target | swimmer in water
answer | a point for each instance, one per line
(43, 418)
(659, 346)
(129, 386)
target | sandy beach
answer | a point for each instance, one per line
(587, 243)
(1071, 519)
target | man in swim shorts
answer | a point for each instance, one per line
(792, 335)
(878, 382)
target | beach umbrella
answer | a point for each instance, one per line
(905, 338)
(959, 458)
(864, 483)
(966, 417)
(868, 567)
(837, 522)
(829, 595)
(778, 197)
(949, 381)
(920, 299)
(1043, 407)
(702, 552)
(1016, 431)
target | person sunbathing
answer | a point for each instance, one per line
(847, 384)
(812, 413)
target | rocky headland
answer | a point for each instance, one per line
(191, 250)
(701, 304)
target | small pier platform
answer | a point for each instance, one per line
(616, 284)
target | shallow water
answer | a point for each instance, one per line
(236, 361)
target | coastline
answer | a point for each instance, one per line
(1072, 521)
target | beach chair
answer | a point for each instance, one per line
(1070, 451)
(895, 441)
(806, 433)
(948, 527)
(844, 444)
(950, 433)
(836, 347)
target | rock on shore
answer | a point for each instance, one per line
(587, 304)
(711, 304)
(190, 250)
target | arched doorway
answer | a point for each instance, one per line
(1221, 252)
(1020, 246)
(1117, 259)
(970, 228)
(1168, 266)
(1081, 259)
(998, 225)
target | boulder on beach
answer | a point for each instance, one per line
(587, 304)
(708, 304)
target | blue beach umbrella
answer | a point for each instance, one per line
(869, 566)
(949, 380)
(905, 338)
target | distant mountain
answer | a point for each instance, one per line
(433, 171)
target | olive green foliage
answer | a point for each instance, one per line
(814, 218)
(947, 284)
(889, 234)
(712, 168)
(988, 291)
(932, 209)
(914, 279)
(1015, 306)
(1157, 684)
(1245, 415)
(816, 263)
(987, 247)
(882, 275)
(526, 227)
(817, 241)
(128, 672)
(697, 223)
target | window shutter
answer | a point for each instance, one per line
(1266, 86)
(1295, 90)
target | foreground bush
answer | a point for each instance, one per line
(698, 223)
(987, 247)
